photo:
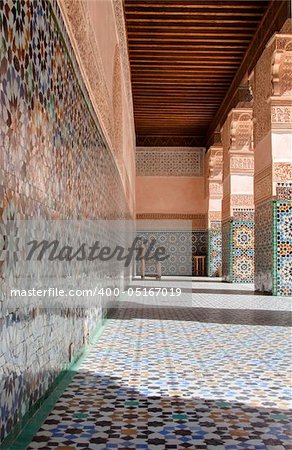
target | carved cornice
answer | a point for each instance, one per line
(122, 38)
(170, 141)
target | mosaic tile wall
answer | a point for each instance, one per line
(55, 164)
(264, 247)
(226, 254)
(273, 247)
(243, 252)
(214, 253)
(178, 245)
(238, 251)
(283, 219)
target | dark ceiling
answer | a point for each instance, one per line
(184, 55)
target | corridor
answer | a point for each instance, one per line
(206, 369)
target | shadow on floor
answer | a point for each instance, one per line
(99, 410)
(130, 310)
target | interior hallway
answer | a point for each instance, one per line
(208, 369)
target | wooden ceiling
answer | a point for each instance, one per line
(184, 55)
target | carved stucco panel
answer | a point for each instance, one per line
(262, 90)
(282, 172)
(78, 23)
(240, 164)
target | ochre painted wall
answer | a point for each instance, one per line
(177, 195)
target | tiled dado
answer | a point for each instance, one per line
(273, 247)
(55, 165)
(177, 244)
(214, 261)
(238, 251)
(180, 245)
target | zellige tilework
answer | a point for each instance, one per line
(55, 164)
(168, 374)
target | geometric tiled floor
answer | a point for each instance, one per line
(207, 370)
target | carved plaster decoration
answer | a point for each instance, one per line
(241, 130)
(272, 82)
(281, 113)
(282, 64)
(262, 90)
(170, 141)
(214, 215)
(123, 45)
(198, 220)
(118, 109)
(78, 24)
(214, 160)
(242, 200)
(215, 189)
(169, 161)
(241, 164)
(282, 172)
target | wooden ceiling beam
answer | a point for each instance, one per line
(184, 55)
(273, 20)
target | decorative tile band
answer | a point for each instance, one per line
(238, 251)
(243, 251)
(284, 191)
(214, 260)
(227, 251)
(243, 214)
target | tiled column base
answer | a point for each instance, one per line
(238, 251)
(273, 247)
(214, 257)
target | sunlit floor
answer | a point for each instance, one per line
(206, 369)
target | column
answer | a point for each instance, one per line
(271, 83)
(238, 199)
(213, 171)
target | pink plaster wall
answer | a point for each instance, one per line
(177, 195)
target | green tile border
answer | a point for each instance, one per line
(22, 434)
